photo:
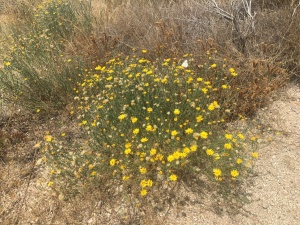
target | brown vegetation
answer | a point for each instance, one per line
(265, 59)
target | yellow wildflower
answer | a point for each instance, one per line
(204, 90)
(176, 111)
(144, 140)
(152, 151)
(189, 131)
(7, 63)
(127, 151)
(98, 68)
(143, 170)
(122, 116)
(146, 183)
(91, 166)
(228, 136)
(170, 158)
(174, 132)
(186, 150)
(159, 157)
(211, 107)
(254, 154)
(143, 192)
(241, 136)
(48, 138)
(231, 70)
(239, 161)
(203, 135)
(176, 155)
(173, 177)
(217, 172)
(234, 173)
(233, 73)
(149, 128)
(127, 145)
(217, 156)
(134, 119)
(199, 118)
(136, 131)
(112, 162)
(209, 151)
(228, 146)
(194, 148)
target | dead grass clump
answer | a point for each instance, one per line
(279, 32)
(165, 28)
(257, 81)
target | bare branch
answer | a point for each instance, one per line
(242, 18)
(222, 12)
(295, 9)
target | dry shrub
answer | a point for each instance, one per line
(275, 4)
(173, 28)
(279, 30)
(275, 37)
(257, 80)
(165, 28)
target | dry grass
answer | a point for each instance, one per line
(167, 29)
(171, 28)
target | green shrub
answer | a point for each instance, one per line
(39, 73)
(149, 124)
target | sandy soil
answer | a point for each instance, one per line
(275, 190)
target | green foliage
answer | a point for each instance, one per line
(39, 73)
(150, 124)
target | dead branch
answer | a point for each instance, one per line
(243, 19)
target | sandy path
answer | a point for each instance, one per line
(276, 188)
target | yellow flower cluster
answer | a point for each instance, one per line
(146, 122)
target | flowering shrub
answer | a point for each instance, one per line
(147, 124)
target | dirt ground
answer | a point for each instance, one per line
(274, 191)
